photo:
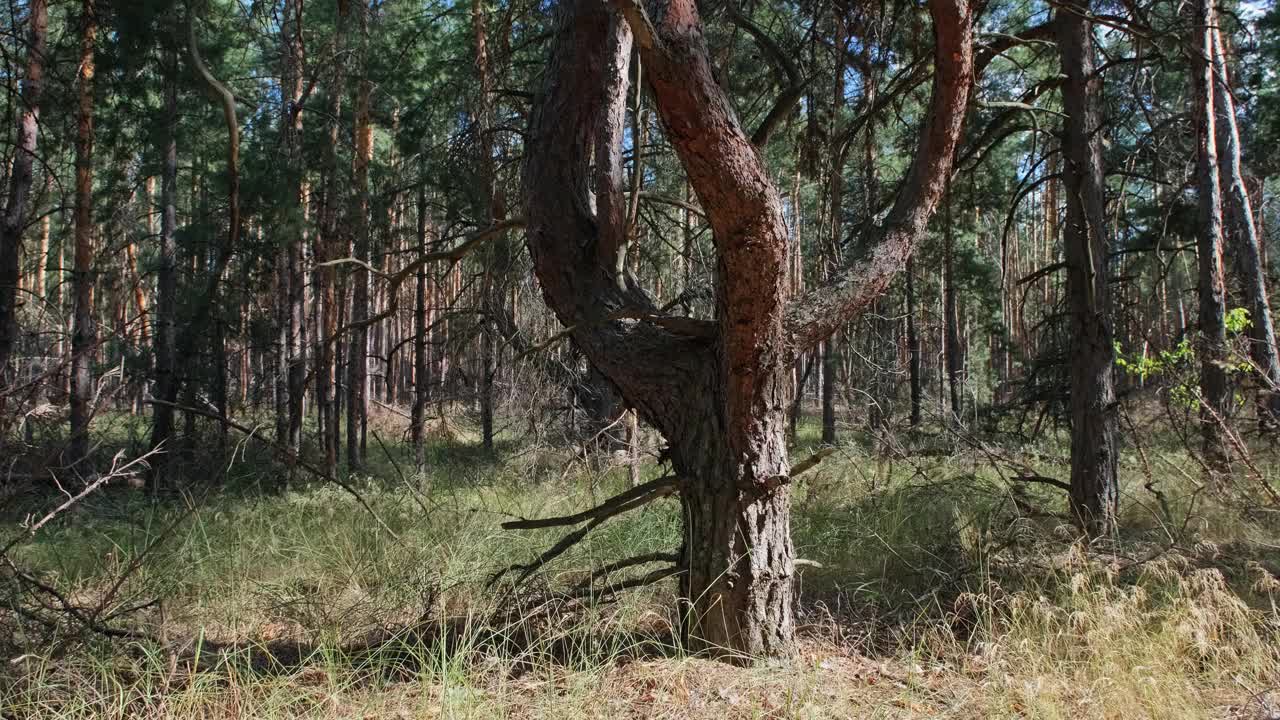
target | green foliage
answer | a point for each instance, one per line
(1237, 320)
(1145, 367)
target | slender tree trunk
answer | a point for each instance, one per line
(831, 254)
(42, 262)
(166, 382)
(1214, 395)
(327, 249)
(498, 256)
(1245, 240)
(913, 346)
(358, 353)
(83, 334)
(221, 252)
(418, 418)
(295, 254)
(953, 356)
(1094, 491)
(14, 222)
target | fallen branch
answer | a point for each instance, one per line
(552, 553)
(114, 473)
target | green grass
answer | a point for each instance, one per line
(939, 592)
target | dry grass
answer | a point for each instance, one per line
(938, 597)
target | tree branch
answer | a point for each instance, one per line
(616, 505)
(817, 314)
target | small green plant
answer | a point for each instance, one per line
(1145, 367)
(1237, 320)
(1176, 366)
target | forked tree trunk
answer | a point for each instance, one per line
(1094, 492)
(717, 390)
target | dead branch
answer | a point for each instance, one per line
(1042, 480)
(616, 505)
(613, 567)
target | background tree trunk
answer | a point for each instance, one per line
(358, 353)
(1214, 395)
(953, 354)
(83, 333)
(1245, 239)
(16, 213)
(166, 383)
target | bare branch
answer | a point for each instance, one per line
(616, 505)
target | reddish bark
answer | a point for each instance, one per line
(718, 391)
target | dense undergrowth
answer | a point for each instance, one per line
(933, 587)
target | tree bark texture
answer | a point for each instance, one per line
(1244, 238)
(1214, 393)
(83, 332)
(717, 390)
(1094, 491)
(14, 222)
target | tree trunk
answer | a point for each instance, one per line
(82, 336)
(295, 261)
(418, 417)
(737, 593)
(1094, 490)
(831, 249)
(328, 248)
(358, 353)
(953, 354)
(1245, 239)
(14, 222)
(717, 390)
(166, 383)
(1214, 395)
(913, 346)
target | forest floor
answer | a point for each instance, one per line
(938, 589)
